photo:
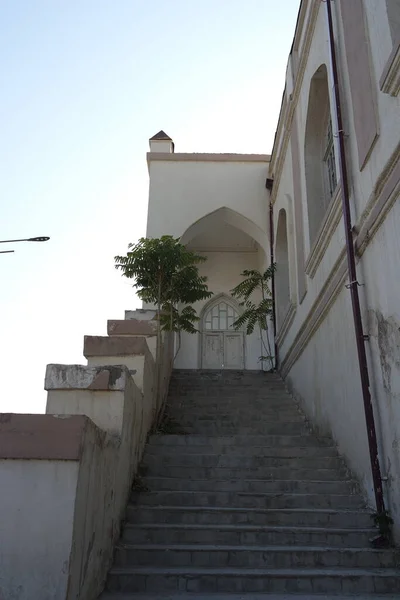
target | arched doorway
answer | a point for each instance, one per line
(221, 346)
(282, 271)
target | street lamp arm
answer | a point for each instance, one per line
(34, 239)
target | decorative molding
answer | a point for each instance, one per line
(383, 197)
(287, 121)
(390, 78)
(286, 323)
(317, 313)
(206, 157)
(329, 224)
(208, 249)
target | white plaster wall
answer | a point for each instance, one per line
(185, 191)
(387, 108)
(380, 271)
(223, 271)
(143, 372)
(326, 375)
(37, 503)
(325, 378)
(105, 476)
(106, 409)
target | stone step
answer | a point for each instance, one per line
(222, 596)
(250, 500)
(247, 441)
(159, 533)
(249, 486)
(209, 399)
(251, 557)
(260, 517)
(220, 393)
(162, 461)
(235, 417)
(206, 580)
(265, 473)
(216, 452)
(260, 428)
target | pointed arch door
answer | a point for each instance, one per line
(222, 346)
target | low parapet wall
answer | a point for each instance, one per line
(66, 476)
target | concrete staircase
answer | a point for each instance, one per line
(248, 501)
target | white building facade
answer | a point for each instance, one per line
(220, 206)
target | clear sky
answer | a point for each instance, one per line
(84, 85)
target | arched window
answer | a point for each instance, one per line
(282, 269)
(319, 152)
(393, 12)
(220, 317)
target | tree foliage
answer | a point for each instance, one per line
(255, 313)
(166, 274)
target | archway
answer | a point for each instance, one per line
(319, 152)
(282, 270)
(221, 346)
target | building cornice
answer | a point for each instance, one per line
(383, 197)
(329, 224)
(284, 125)
(206, 157)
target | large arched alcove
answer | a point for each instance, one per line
(222, 347)
(319, 152)
(232, 244)
(282, 281)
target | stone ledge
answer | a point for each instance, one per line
(81, 377)
(141, 314)
(96, 345)
(42, 437)
(132, 327)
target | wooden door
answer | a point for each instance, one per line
(233, 350)
(213, 350)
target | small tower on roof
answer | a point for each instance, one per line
(161, 142)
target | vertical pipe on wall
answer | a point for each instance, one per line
(353, 283)
(271, 246)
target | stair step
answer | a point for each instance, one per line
(217, 428)
(250, 500)
(222, 596)
(252, 557)
(158, 533)
(209, 515)
(222, 453)
(267, 474)
(204, 580)
(248, 441)
(235, 418)
(238, 461)
(250, 486)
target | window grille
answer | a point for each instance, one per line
(329, 162)
(220, 317)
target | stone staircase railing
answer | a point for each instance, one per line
(65, 476)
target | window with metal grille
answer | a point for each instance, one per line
(220, 317)
(329, 162)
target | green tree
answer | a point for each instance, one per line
(256, 314)
(166, 274)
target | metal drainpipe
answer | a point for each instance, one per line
(353, 285)
(269, 184)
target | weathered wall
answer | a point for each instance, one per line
(183, 191)
(223, 270)
(49, 467)
(317, 351)
(37, 503)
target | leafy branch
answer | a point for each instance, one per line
(256, 314)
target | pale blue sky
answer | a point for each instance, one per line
(84, 84)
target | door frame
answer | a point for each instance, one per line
(208, 306)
